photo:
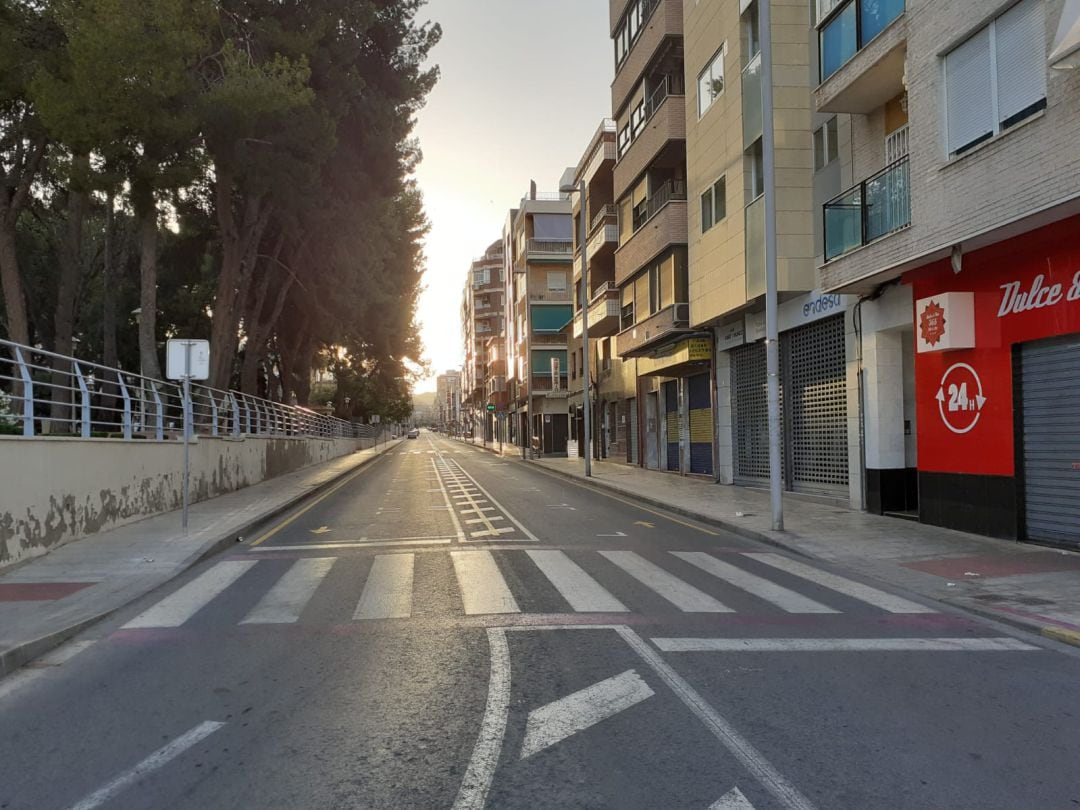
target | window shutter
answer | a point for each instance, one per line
(969, 101)
(1021, 58)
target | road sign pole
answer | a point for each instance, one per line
(187, 435)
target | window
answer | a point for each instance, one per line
(624, 139)
(633, 21)
(751, 32)
(556, 281)
(481, 277)
(711, 82)
(825, 145)
(556, 227)
(756, 169)
(851, 28)
(996, 77)
(626, 316)
(713, 204)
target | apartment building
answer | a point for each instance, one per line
(448, 402)
(482, 317)
(613, 381)
(960, 230)
(537, 263)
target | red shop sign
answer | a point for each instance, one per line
(1024, 289)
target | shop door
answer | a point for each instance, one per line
(815, 401)
(671, 422)
(632, 415)
(652, 431)
(750, 414)
(701, 431)
(1050, 402)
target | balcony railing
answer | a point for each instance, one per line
(664, 193)
(849, 27)
(876, 207)
(550, 246)
(601, 215)
(751, 99)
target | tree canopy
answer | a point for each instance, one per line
(238, 169)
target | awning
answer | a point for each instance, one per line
(1066, 51)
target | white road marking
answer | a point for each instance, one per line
(493, 532)
(388, 591)
(841, 645)
(770, 778)
(617, 534)
(684, 596)
(501, 508)
(285, 601)
(583, 709)
(477, 510)
(778, 595)
(856, 590)
(472, 795)
(483, 589)
(484, 519)
(393, 541)
(732, 800)
(178, 607)
(446, 498)
(156, 760)
(584, 593)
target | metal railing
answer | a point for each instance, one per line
(666, 192)
(550, 246)
(877, 206)
(605, 211)
(44, 393)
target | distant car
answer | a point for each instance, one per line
(414, 433)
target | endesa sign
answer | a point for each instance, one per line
(1018, 290)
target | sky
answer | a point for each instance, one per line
(524, 84)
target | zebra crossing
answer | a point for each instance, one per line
(598, 582)
(476, 513)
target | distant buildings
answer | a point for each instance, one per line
(482, 320)
(448, 402)
(927, 189)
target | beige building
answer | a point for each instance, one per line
(482, 318)
(537, 264)
(954, 205)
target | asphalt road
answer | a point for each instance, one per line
(446, 629)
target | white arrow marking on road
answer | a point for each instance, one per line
(732, 800)
(321, 530)
(567, 716)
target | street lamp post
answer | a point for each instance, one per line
(586, 405)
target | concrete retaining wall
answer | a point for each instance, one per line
(55, 490)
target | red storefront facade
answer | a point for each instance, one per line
(997, 378)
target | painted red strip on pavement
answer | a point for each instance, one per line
(989, 566)
(39, 591)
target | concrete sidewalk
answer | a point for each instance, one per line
(51, 598)
(1028, 586)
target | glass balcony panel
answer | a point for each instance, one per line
(755, 248)
(876, 16)
(839, 41)
(843, 223)
(751, 100)
(888, 202)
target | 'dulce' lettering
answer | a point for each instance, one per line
(1014, 302)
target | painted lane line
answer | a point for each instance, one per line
(472, 795)
(494, 532)
(285, 601)
(450, 507)
(583, 709)
(152, 763)
(388, 591)
(771, 779)
(581, 591)
(760, 587)
(433, 541)
(684, 596)
(483, 589)
(500, 507)
(856, 590)
(485, 519)
(842, 645)
(181, 605)
(732, 800)
(478, 509)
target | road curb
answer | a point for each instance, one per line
(21, 654)
(1052, 632)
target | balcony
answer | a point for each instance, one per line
(863, 48)
(603, 313)
(665, 121)
(670, 322)
(604, 153)
(665, 20)
(754, 245)
(548, 250)
(751, 100)
(660, 224)
(877, 207)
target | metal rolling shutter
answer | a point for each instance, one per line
(631, 405)
(701, 424)
(671, 417)
(816, 393)
(750, 416)
(1050, 386)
